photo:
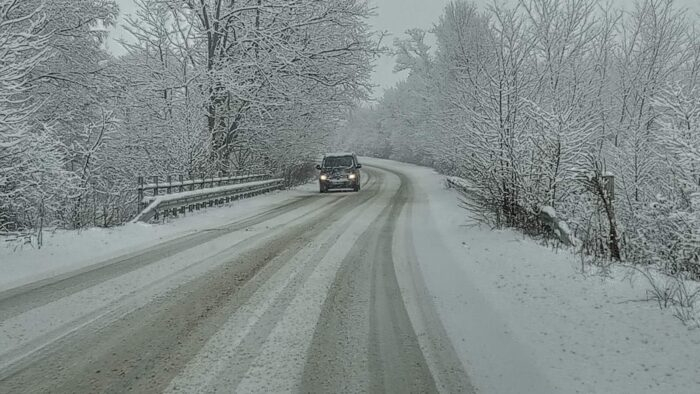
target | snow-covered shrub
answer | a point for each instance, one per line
(674, 291)
(667, 235)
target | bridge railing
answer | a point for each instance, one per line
(174, 197)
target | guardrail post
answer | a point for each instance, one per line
(180, 179)
(139, 192)
(155, 188)
(170, 184)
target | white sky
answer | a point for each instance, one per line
(393, 16)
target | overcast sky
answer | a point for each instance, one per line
(397, 16)
(394, 16)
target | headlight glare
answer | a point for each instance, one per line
(352, 176)
(324, 177)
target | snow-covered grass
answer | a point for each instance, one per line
(523, 317)
(64, 251)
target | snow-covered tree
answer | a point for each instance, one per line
(262, 59)
(572, 106)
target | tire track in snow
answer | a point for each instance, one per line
(442, 359)
(19, 300)
(229, 354)
(280, 361)
(24, 298)
(23, 337)
(364, 340)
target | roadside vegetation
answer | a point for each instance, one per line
(207, 88)
(572, 112)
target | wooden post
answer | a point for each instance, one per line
(170, 184)
(180, 179)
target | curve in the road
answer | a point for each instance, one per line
(314, 305)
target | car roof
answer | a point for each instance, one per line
(337, 154)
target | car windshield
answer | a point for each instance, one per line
(337, 161)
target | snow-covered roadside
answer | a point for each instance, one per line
(523, 319)
(66, 251)
(24, 334)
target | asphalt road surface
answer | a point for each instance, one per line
(305, 297)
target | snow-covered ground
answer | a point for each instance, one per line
(521, 317)
(524, 319)
(67, 251)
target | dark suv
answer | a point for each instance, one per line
(339, 171)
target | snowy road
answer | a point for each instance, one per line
(321, 293)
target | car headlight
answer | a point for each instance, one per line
(352, 176)
(324, 177)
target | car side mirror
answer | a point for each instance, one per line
(318, 166)
(358, 166)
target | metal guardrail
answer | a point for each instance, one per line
(159, 186)
(181, 202)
